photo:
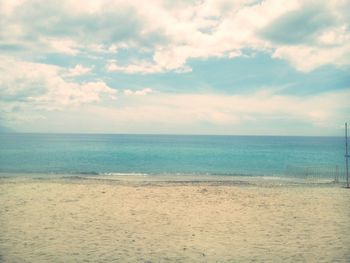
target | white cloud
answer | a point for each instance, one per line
(7, 7)
(335, 36)
(42, 86)
(182, 30)
(71, 94)
(64, 46)
(142, 92)
(206, 113)
(78, 70)
(144, 67)
(305, 58)
(235, 109)
(194, 33)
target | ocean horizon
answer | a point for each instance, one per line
(167, 155)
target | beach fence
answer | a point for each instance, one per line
(336, 173)
(331, 173)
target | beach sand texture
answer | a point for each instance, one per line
(67, 220)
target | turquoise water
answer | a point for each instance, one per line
(165, 154)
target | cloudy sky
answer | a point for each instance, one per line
(179, 67)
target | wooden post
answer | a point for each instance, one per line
(346, 155)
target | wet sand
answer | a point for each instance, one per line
(86, 220)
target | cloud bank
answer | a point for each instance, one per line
(62, 58)
(202, 114)
(174, 33)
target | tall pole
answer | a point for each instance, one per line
(346, 155)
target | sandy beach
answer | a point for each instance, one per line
(87, 220)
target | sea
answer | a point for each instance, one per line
(168, 155)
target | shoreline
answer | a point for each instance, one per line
(174, 178)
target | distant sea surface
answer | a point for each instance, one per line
(165, 154)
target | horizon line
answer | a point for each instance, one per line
(166, 134)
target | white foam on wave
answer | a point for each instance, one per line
(124, 174)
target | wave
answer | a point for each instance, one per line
(176, 176)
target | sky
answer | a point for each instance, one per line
(242, 67)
